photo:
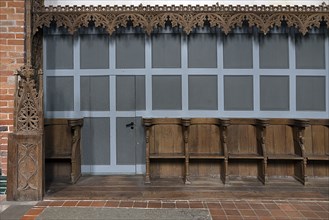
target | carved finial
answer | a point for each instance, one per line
(25, 71)
(324, 4)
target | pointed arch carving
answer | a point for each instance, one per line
(28, 101)
(186, 17)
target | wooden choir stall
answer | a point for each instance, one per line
(236, 148)
(62, 150)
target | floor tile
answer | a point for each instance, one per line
(217, 212)
(247, 212)
(141, 204)
(256, 206)
(168, 205)
(56, 203)
(182, 204)
(84, 203)
(113, 204)
(230, 209)
(232, 212)
(213, 205)
(196, 205)
(98, 203)
(154, 204)
(34, 211)
(126, 204)
(70, 203)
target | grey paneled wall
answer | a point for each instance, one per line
(202, 92)
(94, 51)
(166, 51)
(311, 93)
(238, 51)
(96, 141)
(310, 51)
(130, 93)
(274, 93)
(167, 92)
(202, 51)
(59, 52)
(238, 93)
(130, 51)
(94, 93)
(60, 96)
(273, 51)
(172, 74)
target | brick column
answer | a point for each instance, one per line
(11, 59)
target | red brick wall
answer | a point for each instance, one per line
(11, 59)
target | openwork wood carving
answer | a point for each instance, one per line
(186, 17)
(28, 101)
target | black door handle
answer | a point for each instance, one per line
(131, 125)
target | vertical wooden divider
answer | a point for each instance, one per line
(186, 123)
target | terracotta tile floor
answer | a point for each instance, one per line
(227, 209)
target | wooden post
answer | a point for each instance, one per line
(300, 166)
(261, 142)
(147, 124)
(25, 145)
(186, 124)
(224, 123)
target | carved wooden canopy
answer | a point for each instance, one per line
(187, 17)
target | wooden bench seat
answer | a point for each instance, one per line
(260, 148)
(316, 143)
(284, 157)
(62, 149)
(318, 157)
(246, 156)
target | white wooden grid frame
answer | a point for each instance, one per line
(184, 72)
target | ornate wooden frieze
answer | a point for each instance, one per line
(187, 17)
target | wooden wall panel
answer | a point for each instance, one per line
(242, 139)
(279, 139)
(167, 139)
(163, 168)
(57, 140)
(205, 139)
(205, 168)
(58, 172)
(279, 168)
(246, 168)
(317, 140)
(317, 169)
(317, 149)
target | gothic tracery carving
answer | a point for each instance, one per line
(27, 167)
(28, 104)
(187, 17)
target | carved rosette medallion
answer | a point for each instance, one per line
(28, 115)
(27, 167)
